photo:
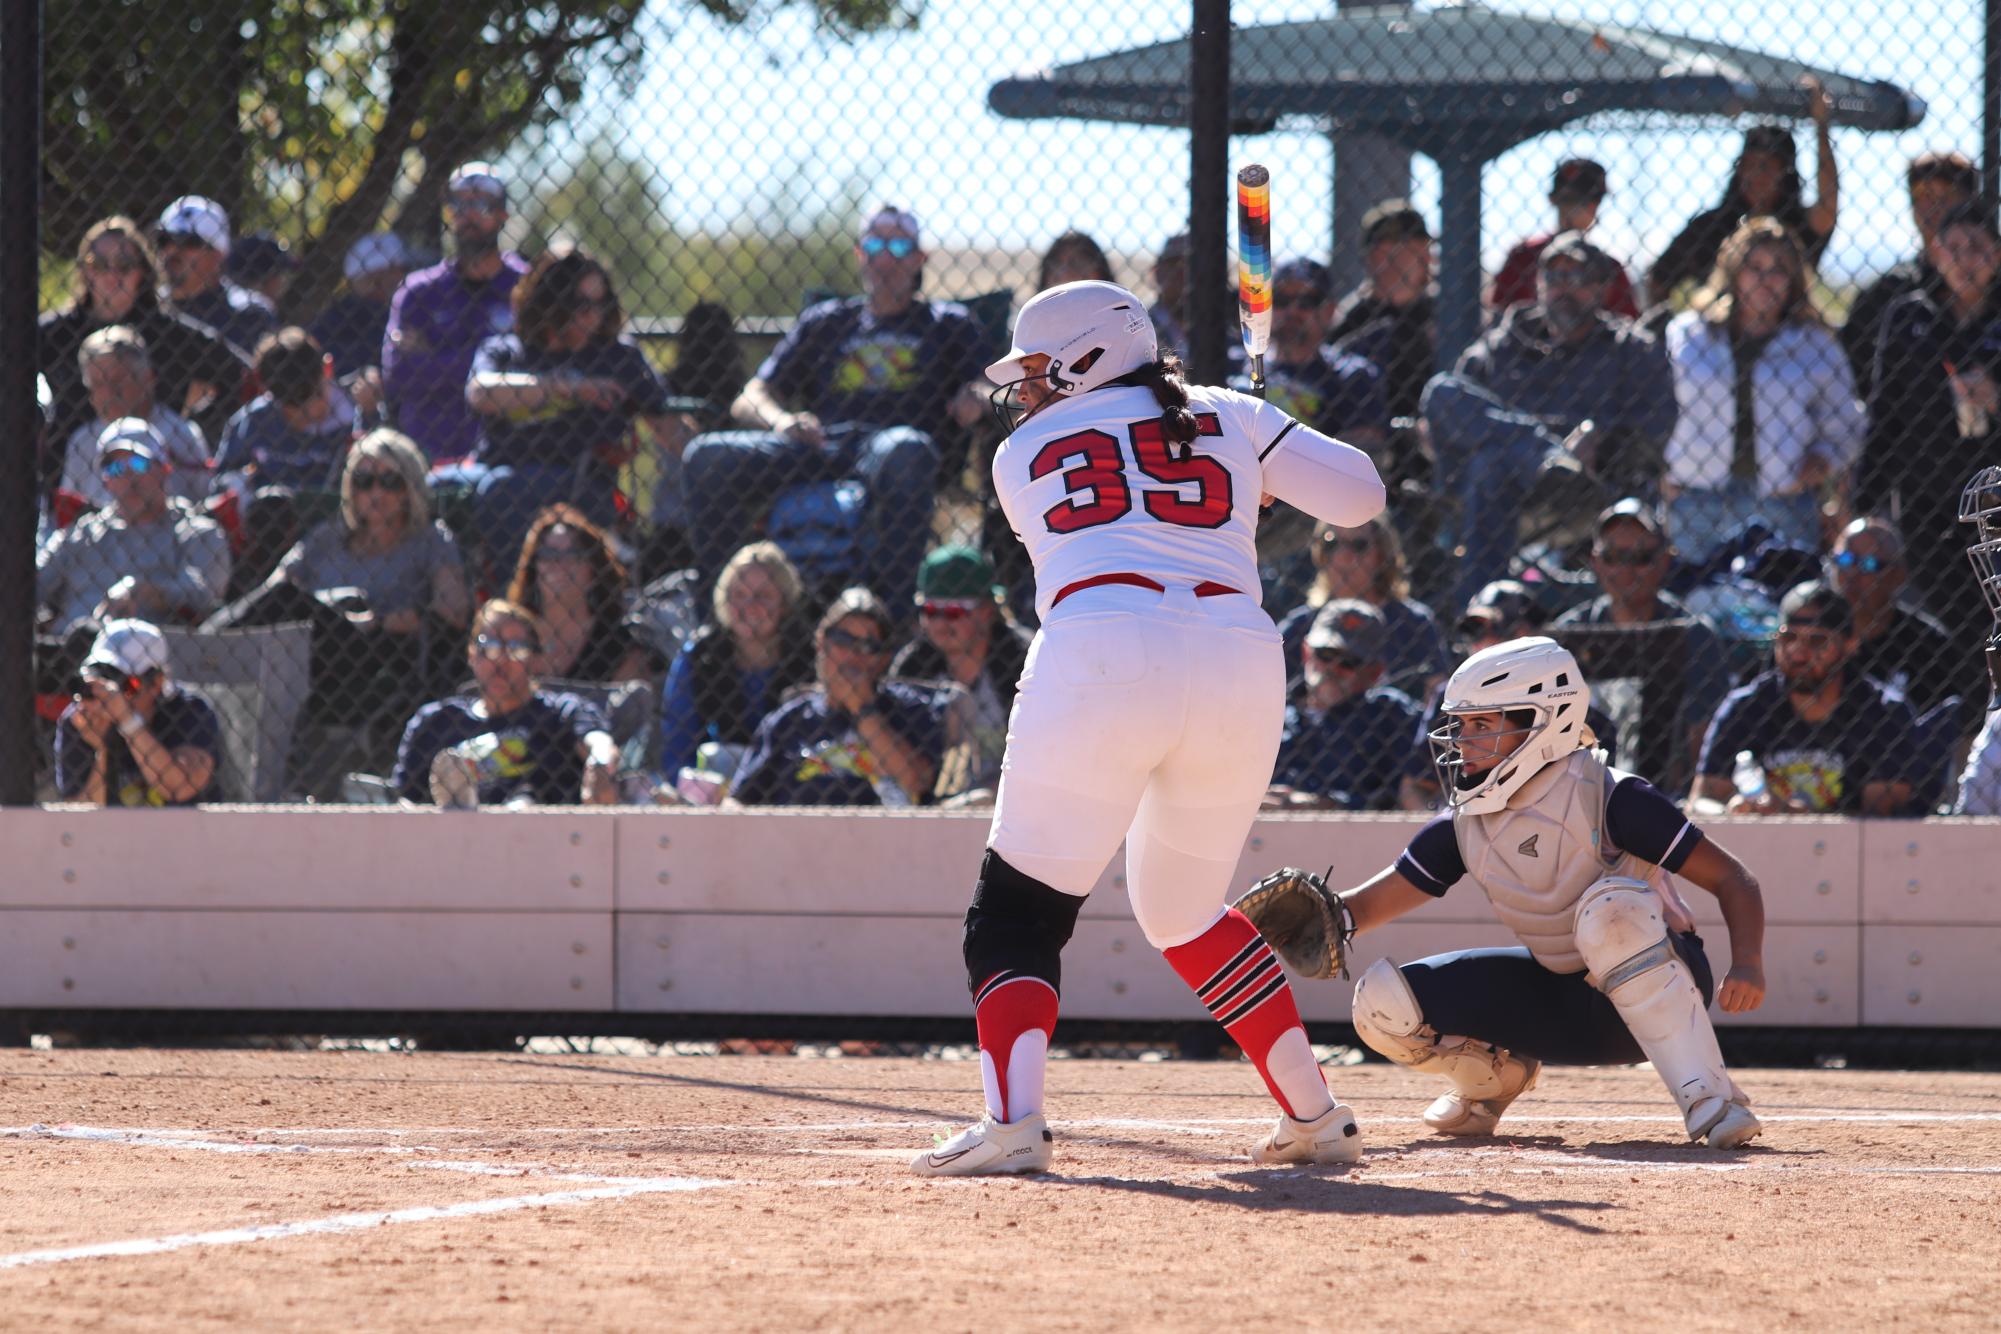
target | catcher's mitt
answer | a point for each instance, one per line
(1305, 922)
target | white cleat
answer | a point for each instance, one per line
(1730, 1127)
(1329, 1139)
(1456, 1114)
(990, 1148)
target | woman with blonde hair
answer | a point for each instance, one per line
(738, 666)
(1367, 563)
(1768, 415)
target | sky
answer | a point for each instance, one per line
(734, 120)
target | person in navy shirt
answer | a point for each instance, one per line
(856, 740)
(1817, 739)
(1345, 735)
(860, 388)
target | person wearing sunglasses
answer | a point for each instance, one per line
(858, 739)
(556, 399)
(197, 372)
(1902, 647)
(1346, 734)
(131, 737)
(1577, 191)
(965, 635)
(1806, 738)
(508, 742)
(147, 554)
(193, 240)
(1684, 661)
(860, 389)
(1366, 563)
(117, 371)
(441, 314)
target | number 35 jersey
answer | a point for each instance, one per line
(1092, 487)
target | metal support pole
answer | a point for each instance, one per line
(1459, 258)
(20, 416)
(1990, 106)
(1208, 190)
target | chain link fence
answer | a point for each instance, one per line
(568, 400)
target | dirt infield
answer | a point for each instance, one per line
(204, 1188)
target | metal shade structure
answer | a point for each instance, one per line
(1460, 85)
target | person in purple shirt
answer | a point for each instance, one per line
(859, 389)
(441, 315)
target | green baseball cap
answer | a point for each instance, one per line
(958, 572)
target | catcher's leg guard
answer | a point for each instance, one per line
(1624, 941)
(1015, 933)
(1484, 1078)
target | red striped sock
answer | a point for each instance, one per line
(1008, 1006)
(1235, 974)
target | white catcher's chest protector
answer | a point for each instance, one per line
(1537, 856)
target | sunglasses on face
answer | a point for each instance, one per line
(899, 247)
(1358, 545)
(1848, 560)
(854, 642)
(114, 265)
(946, 611)
(563, 555)
(1634, 556)
(1338, 659)
(126, 465)
(473, 204)
(492, 646)
(377, 480)
(1295, 300)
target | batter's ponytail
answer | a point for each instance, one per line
(1169, 384)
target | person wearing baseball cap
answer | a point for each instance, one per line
(964, 634)
(1576, 190)
(1337, 393)
(130, 736)
(439, 316)
(1346, 734)
(193, 240)
(1390, 319)
(1806, 738)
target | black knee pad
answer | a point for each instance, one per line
(1017, 924)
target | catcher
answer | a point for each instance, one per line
(1575, 857)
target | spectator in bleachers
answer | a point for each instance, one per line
(1764, 183)
(192, 236)
(1392, 318)
(1630, 556)
(1367, 564)
(147, 555)
(860, 388)
(556, 399)
(1805, 738)
(118, 373)
(296, 433)
(197, 372)
(855, 740)
(1939, 183)
(965, 636)
(571, 578)
(1902, 647)
(131, 737)
(1072, 257)
(1768, 414)
(1577, 191)
(1498, 422)
(738, 666)
(510, 742)
(353, 327)
(263, 264)
(1169, 311)
(1347, 735)
(440, 316)
(1933, 414)
(708, 359)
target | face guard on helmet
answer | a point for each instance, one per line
(1092, 332)
(1536, 683)
(1980, 505)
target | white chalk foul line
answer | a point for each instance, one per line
(355, 1222)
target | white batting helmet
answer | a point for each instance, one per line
(1092, 332)
(1536, 676)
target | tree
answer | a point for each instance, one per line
(313, 119)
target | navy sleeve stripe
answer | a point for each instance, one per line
(1265, 453)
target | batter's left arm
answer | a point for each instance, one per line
(1712, 867)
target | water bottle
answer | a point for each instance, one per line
(1748, 776)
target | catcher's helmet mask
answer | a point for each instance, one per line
(1537, 685)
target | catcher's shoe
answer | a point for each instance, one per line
(1456, 1114)
(989, 1149)
(1730, 1126)
(1329, 1138)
